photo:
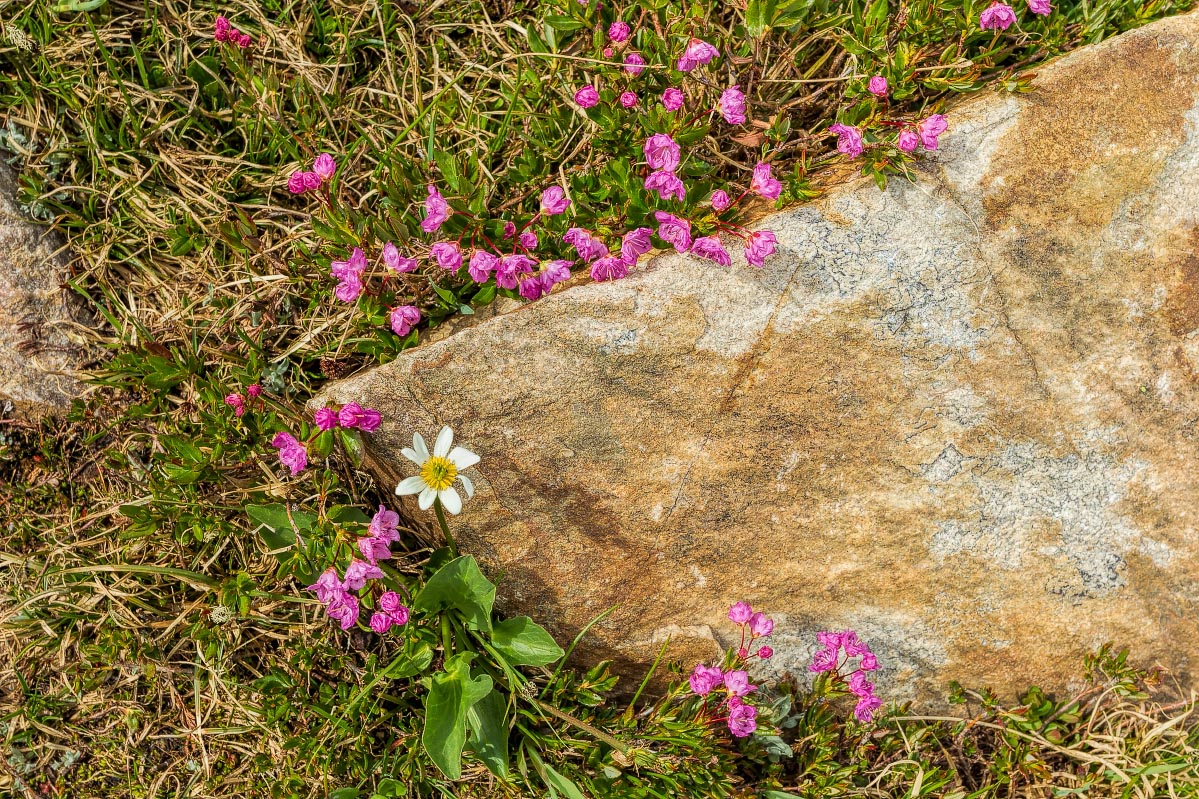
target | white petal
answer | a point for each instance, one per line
(463, 458)
(414, 456)
(410, 485)
(450, 500)
(468, 485)
(418, 444)
(426, 498)
(445, 440)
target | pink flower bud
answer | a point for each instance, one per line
(587, 97)
(672, 99)
(878, 86)
(721, 200)
(324, 166)
(254, 390)
(907, 141)
(634, 64)
(628, 99)
(765, 652)
(619, 31)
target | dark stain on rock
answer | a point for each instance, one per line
(1182, 304)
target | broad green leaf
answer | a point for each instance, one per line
(351, 444)
(408, 664)
(555, 780)
(523, 642)
(489, 733)
(459, 585)
(343, 514)
(451, 693)
(278, 528)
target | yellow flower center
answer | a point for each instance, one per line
(438, 473)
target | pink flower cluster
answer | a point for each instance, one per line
(238, 403)
(849, 138)
(335, 592)
(323, 168)
(351, 415)
(225, 32)
(741, 718)
(829, 659)
(292, 453)
(697, 53)
(999, 16)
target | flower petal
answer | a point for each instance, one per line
(445, 440)
(410, 485)
(468, 484)
(414, 456)
(463, 458)
(426, 498)
(450, 500)
(418, 444)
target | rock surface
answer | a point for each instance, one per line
(960, 416)
(42, 328)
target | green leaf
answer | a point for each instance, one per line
(277, 526)
(778, 795)
(451, 694)
(461, 586)
(489, 733)
(408, 664)
(351, 444)
(345, 514)
(523, 642)
(555, 780)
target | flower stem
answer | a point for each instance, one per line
(445, 527)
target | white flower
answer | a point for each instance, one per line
(438, 471)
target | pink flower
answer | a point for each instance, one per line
(737, 683)
(354, 415)
(403, 319)
(292, 453)
(674, 231)
(662, 153)
(1041, 7)
(667, 184)
(446, 254)
(760, 246)
(864, 711)
(528, 240)
(635, 244)
(858, 685)
(705, 678)
(324, 166)
(396, 262)
(878, 86)
(609, 268)
(482, 264)
(929, 129)
(998, 16)
(634, 64)
(237, 403)
(325, 418)
(221, 33)
(437, 211)
(385, 524)
(765, 653)
(698, 52)
(619, 31)
(740, 613)
(732, 106)
(829, 640)
(824, 660)
(254, 390)
(720, 200)
(358, 572)
(608, 53)
(710, 247)
(587, 97)
(353, 267)
(390, 604)
(588, 247)
(555, 272)
(380, 622)
(628, 99)
(672, 99)
(509, 230)
(510, 267)
(760, 625)
(311, 180)
(295, 183)
(741, 720)
(907, 141)
(531, 288)
(374, 549)
(343, 608)
(554, 201)
(869, 662)
(349, 289)
(326, 586)
(763, 184)
(849, 139)
(244, 41)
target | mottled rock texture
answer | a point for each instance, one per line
(960, 415)
(42, 327)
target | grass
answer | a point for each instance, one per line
(150, 644)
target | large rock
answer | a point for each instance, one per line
(43, 330)
(960, 416)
